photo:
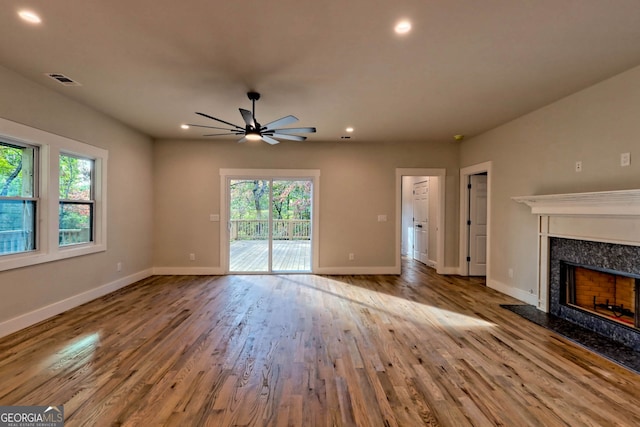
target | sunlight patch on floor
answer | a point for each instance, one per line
(78, 348)
(390, 305)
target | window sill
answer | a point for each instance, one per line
(10, 262)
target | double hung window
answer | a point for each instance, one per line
(76, 200)
(18, 197)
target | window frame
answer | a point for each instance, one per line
(50, 146)
(35, 190)
(91, 201)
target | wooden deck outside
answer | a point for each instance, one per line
(253, 255)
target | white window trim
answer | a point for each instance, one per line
(50, 147)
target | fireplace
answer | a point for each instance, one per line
(592, 238)
(581, 271)
(611, 295)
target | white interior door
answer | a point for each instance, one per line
(421, 221)
(477, 253)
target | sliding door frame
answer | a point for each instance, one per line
(226, 175)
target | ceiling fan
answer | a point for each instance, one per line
(254, 131)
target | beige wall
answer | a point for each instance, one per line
(357, 183)
(536, 154)
(130, 199)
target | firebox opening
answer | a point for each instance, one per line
(608, 294)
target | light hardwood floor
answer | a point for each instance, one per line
(304, 350)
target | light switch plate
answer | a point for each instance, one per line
(625, 159)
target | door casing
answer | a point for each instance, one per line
(440, 233)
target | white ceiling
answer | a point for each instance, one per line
(467, 66)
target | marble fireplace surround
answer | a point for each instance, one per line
(584, 226)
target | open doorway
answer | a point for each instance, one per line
(475, 196)
(420, 216)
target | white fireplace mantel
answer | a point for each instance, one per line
(605, 216)
(623, 202)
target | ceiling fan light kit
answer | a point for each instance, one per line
(254, 131)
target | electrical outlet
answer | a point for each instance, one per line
(511, 273)
(192, 257)
(578, 166)
(625, 159)
(119, 266)
(352, 256)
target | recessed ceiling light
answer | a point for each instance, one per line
(184, 126)
(29, 16)
(403, 27)
(349, 129)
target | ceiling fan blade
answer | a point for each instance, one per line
(280, 122)
(209, 127)
(289, 137)
(242, 140)
(269, 140)
(295, 130)
(221, 134)
(219, 120)
(248, 117)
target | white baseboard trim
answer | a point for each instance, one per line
(346, 271)
(516, 293)
(188, 271)
(25, 320)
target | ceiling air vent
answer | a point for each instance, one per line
(63, 80)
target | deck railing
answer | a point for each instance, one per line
(15, 241)
(258, 229)
(72, 236)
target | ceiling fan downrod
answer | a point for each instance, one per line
(253, 96)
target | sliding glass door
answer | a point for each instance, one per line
(270, 225)
(249, 225)
(291, 225)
